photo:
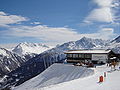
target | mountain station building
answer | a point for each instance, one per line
(95, 56)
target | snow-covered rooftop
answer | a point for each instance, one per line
(88, 51)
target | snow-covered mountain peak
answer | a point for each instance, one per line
(26, 44)
(94, 41)
(85, 38)
(28, 48)
(83, 43)
(89, 43)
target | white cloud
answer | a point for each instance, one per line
(2, 13)
(6, 19)
(105, 12)
(55, 35)
(107, 33)
(36, 23)
(100, 15)
(102, 33)
(104, 3)
(45, 33)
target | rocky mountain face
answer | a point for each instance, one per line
(9, 61)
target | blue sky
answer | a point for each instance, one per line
(58, 21)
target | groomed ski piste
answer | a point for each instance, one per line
(69, 77)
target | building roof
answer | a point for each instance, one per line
(88, 51)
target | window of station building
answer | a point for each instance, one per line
(81, 55)
(75, 55)
(69, 55)
(87, 56)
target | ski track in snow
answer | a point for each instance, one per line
(55, 74)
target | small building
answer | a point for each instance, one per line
(95, 56)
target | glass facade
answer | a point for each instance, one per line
(79, 55)
(87, 55)
(69, 55)
(75, 55)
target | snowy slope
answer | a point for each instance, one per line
(57, 73)
(29, 48)
(111, 82)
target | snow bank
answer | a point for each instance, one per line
(57, 73)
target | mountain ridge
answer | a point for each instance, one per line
(29, 48)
